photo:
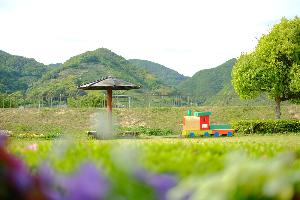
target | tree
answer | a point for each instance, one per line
(92, 99)
(274, 66)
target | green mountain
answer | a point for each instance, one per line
(92, 65)
(209, 82)
(227, 96)
(18, 73)
(165, 75)
(213, 87)
(206, 87)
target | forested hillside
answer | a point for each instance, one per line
(165, 75)
(18, 73)
(213, 87)
(92, 65)
(24, 75)
(209, 82)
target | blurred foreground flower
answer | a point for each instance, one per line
(3, 138)
(244, 178)
(161, 183)
(47, 182)
(32, 147)
(87, 183)
(16, 181)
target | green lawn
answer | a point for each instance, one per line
(77, 121)
(250, 166)
(204, 162)
(183, 157)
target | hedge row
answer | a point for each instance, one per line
(267, 126)
(145, 131)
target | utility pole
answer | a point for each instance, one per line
(59, 100)
(39, 104)
(129, 101)
(42, 102)
(149, 101)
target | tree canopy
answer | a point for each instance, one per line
(274, 66)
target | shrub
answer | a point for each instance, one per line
(146, 131)
(92, 99)
(267, 126)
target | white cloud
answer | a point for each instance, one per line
(184, 35)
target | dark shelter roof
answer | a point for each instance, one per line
(109, 82)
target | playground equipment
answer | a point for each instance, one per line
(199, 125)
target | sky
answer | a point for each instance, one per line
(184, 35)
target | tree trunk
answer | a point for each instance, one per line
(277, 108)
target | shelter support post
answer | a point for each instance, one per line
(109, 109)
(109, 100)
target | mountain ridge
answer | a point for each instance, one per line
(208, 81)
(91, 65)
(18, 73)
(166, 75)
(36, 79)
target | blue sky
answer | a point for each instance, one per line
(186, 35)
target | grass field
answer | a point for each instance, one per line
(78, 121)
(181, 156)
(190, 161)
(265, 166)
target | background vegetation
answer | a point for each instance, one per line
(54, 84)
(77, 121)
(273, 68)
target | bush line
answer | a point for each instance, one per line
(266, 126)
(145, 131)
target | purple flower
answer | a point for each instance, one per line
(3, 138)
(48, 183)
(20, 176)
(16, 171)
(161, 183)
(16, 180)
(87, 184)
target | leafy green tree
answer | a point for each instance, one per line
(92, 99)
(274, 66)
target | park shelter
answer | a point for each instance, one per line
(109, 84)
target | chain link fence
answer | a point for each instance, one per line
(126, 101)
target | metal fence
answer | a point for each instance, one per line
(128, 101)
